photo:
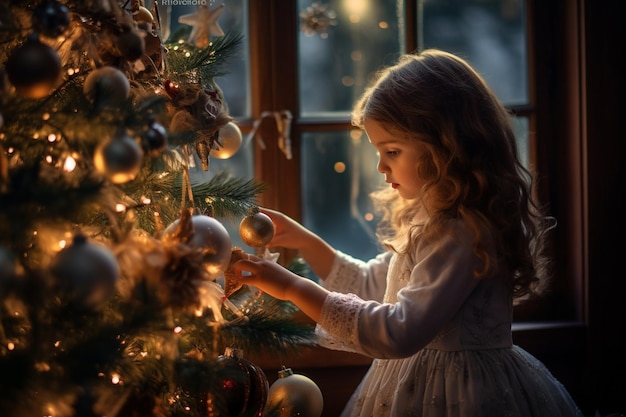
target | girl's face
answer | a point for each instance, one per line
(397, 159)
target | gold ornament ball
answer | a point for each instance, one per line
(256, 230)
(294, 395)
(230, 141)
(143, 15)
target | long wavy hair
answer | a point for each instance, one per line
(472, 170)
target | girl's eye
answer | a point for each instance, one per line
(392, 153)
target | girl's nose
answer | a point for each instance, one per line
(381, 167)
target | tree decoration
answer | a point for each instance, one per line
(51, 18)
(227, 142)
(294, 395)
(34, 68)
(143, 15)
(119, 158)
(204, 24)
(317, 19)
(198, 109)
(154, 139)
(244, 386)
(206, 234)
(86, 273)
(256, 229)
(106, 87)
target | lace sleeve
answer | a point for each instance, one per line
(338, 325)
(351, 275)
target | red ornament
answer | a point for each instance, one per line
(171, 88)
(244, 386)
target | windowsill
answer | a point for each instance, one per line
(524, 326)
(533, 336)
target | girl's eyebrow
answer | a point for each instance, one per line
(386, 142)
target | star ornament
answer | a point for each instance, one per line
(204, 24)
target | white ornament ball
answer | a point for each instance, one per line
(210, 235)
(294, 395)
(230, 138)
(119, 158)
(87, 273)
(106, 87)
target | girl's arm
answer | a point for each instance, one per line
(281, 283)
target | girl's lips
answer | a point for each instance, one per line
(394, 185)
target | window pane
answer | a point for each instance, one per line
(340, 44)
(235, 84)
(491, 35)
(338, 174)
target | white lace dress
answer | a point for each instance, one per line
(441, 340)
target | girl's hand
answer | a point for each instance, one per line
(281, 283)
(267, 275)
(288, 233)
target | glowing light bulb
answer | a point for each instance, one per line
(70, 164)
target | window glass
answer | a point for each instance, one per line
(338, 174)
(520, 128)
(490, 34)
(341, 42)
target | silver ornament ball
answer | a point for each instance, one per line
(119, 158)
(210, 235)
(106, 87)
(229, 141)
(87, 273)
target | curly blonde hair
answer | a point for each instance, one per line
(472, 170)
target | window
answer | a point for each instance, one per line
(318, 71)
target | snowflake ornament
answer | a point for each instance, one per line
(317, 19)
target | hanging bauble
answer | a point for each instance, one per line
(210, 235)
(119, 158)
(256, 230)
(143, 15)
(34, 68)
(130, 43)
(87, 273)
(51, 18)
(243, 386)
(228, 141)
(294, 395)
(106, 87)
(154, 140)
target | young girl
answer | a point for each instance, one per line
(463, 240)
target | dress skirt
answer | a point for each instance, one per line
(506, 382)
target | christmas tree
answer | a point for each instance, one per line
(115, 297)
